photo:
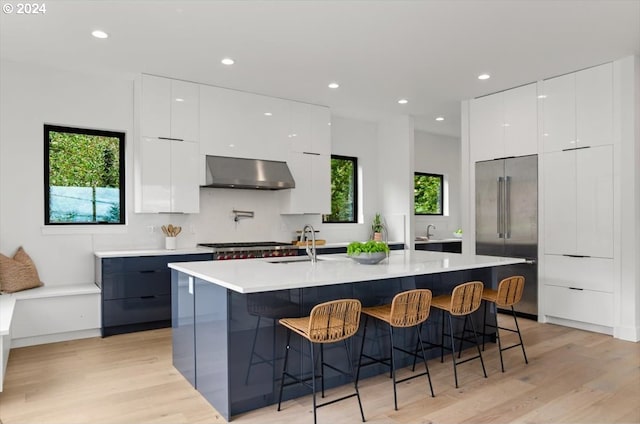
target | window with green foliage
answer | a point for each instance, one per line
(83, 176)
(428, 193)
(344, 190)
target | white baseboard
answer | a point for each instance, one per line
(54, 338)
(630, 334)
(579, 325)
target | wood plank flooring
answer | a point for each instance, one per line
(573, 376)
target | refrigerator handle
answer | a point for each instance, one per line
(500, 222)
(507, 208)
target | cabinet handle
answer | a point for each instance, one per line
(311, 153)
(576, 148)
(577, 256)
(500, 208)
(172, 139)
(575, 288)
(147, 297)
(149, 271)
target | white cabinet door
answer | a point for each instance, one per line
(521, 121)
(185, 104)
(154, 176)
(321, 130)
(156, 108)
(594, 105)
(559, 113)
(579, 305)
(321, 184)
(582, 273)
(185, 191)
(238, 124)
(560, 202)
(486, 127)
(300, 139)
(595, 201)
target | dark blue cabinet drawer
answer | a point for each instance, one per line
(121, 285)
(148, 263)
(136, 310)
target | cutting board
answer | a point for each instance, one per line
(319, 242)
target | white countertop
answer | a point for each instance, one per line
(151, 252)
(258, 275)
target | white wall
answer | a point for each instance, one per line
(439, 154)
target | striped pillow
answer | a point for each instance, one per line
(18, 273)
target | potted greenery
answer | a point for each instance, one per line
(377, 227)
(369, 253)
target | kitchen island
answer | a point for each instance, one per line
(226, 337)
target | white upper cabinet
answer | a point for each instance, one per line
(578, 109)
(504, 124)
(578, 211)
(239, 124)
(169, 108)
(312, 174)
(166, 176)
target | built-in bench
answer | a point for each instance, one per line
(72, 312)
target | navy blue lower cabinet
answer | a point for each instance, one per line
(450, 247)
(136, 292)
(183, 325)
(238, 346)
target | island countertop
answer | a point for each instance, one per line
(262, 275)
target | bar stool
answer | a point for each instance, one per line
(463, 301)
(408, 309)
(328, 322)
(508, 294)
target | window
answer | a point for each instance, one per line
(83, 176)
(428, 194)
(344, 190)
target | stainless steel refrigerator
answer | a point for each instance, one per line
(507, 220)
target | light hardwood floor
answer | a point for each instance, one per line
(573, 377)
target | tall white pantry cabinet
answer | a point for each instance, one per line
(588, 193)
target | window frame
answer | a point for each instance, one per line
(120, 135)
(441, 178)
(354, 160)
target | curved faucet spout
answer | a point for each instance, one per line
(311, 250)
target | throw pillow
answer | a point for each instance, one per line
(18, 273)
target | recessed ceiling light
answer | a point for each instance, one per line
(334, 85)
(542, 96)
(439, 118)
(100, 34)
(403, 101)
(268, 114)
(484, 77)
(178, 99)
(227, 61)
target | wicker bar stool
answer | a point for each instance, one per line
(407, 309)
(463, 301)
(509, 293)
(328, 322)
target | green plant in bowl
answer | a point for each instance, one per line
(370, 252)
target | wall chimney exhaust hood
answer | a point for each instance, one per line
(226, 172)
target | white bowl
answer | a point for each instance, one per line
(368, 258)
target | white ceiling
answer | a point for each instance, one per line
(429, 52)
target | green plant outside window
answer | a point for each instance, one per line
(344, 190)
(428, 193)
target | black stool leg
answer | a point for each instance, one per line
(424, 358)
(475, 335)
(253, 349)
(442, 339)
(355, 382)
(284, 367)
(453, 348)
(484, 324)
(313, 382)
(322, 368)
(499, 341)
(364, 335)
(464, 331)
(526, 361)
(393, 369)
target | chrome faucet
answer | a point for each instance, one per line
(311, 252)
(429, 229)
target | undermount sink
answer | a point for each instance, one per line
(292, 260)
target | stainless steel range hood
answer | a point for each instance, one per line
(226, 172)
